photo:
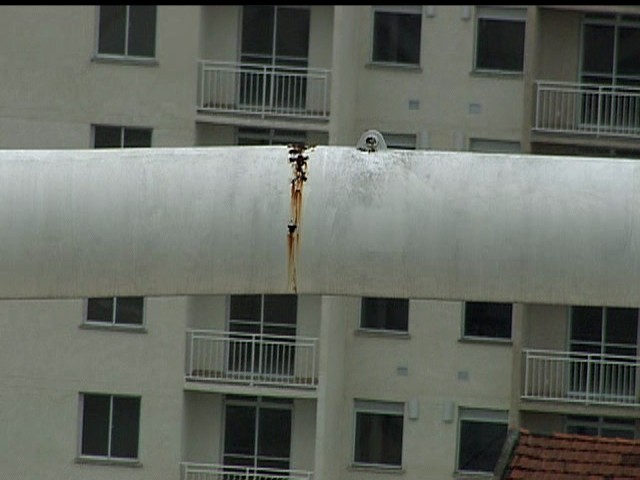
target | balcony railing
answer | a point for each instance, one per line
(253, 359)
(587, 109)
(263, 90)
(207, 471)
(577, 377)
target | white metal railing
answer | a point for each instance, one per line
(250, 88)
(208, 471)
(589, 109)
(223, 356)
(588, 378)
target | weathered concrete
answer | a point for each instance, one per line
(422, 224)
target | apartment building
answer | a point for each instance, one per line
(144, 367)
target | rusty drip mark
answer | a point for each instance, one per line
(298, 161)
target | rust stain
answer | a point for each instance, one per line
(298, 161)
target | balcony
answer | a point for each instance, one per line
(586, 378)
(587, 109)
(205, 471)
(251, 359)
(263, 91)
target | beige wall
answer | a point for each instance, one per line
(430, 366)
(46, 360)
(51, 96)
(453, 101)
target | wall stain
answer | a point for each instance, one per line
(298, 162)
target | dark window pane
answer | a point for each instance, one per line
(500, 45)
(586, 324)
(396, 37)
(239, 430)
(112, 29)
(629, 51)
(142, 30)
(622, 325)
(280, 309)
(378, 439)
(292, 35)
(487, 319)
(274, 433)
(129, 310)
(385, 313)
(126, 427)
(257, 29)
(107, 137)
(480, 445)
(597, 56)
(245, 307)
(100, 309)
(137, 137)
(95, 425)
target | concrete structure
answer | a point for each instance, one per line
(195, 312)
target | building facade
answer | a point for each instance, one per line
(116, 374)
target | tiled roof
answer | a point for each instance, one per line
(562, 456)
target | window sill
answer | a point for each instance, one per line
(113, 328)
(384, 469)
(118, 462)
(505, 342)
(122, 60)
(371, 332)
(395, 66)
(497, 73)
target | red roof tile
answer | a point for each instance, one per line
(563, 456)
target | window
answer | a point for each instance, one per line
(604, 344)
(385, 314)
(275, 36)
(500, 39)
(487, 320)
(601, 426)
(120, 311)
(263, 331)
(257, 432)
(604, 330)
(378, 433)
(105, 136)
(127, 30)
(484, 145)
(269, 136)
(400, 141)
(481, 436)
(611, 50)
(396, 34)
(110, 426)
(611, 57)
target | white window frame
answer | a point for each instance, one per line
(403, 9)
(113, 324)
(125, 55)
(508, 14)
(108, 457)
(380, 408)
(480, 415)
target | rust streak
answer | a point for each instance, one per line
(299, 164)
